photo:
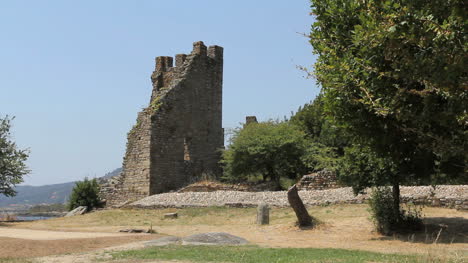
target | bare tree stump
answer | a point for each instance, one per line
(303, 217)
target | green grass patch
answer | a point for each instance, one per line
(256, 254)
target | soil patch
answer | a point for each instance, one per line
(25, 248)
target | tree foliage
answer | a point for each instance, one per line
(320, 127)
(394, 74)
(85, 193)
(273, 150)
(269, 149)
(12, 160)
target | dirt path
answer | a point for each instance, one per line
(101, 255)
(27, 243)
(52, 235)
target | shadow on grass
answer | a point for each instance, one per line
(437, 230)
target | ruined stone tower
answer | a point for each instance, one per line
(178, 137)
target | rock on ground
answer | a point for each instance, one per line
(213, 238)
(163, 241)
(77, 211)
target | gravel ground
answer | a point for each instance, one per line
(279, 198)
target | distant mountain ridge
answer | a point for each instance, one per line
(45, 194)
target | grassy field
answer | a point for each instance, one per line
(253, 254)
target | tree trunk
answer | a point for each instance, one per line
(396, 198)
(278, 182)
(296, 203)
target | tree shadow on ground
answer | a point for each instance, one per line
(437, 230)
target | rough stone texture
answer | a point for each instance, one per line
(318, 181)
(132, 230)
(213, 238)
(80, 210)
(171, 215)
(211, 186)
(163, 241)
(178, 137)
(263, 214)
(303, 217)
(451, 196)
(250, 119)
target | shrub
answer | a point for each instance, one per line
(85, 193)
(388, 222)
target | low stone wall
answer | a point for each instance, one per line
(318, 181)
(450, 196)
(212, 186)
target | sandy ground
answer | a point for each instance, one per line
(52, 235)
(27, 243)
(346, 229)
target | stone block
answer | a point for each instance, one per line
(77, 211)
(263, 214)
(171, 215)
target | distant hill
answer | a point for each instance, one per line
(112, 174)
(45, 194)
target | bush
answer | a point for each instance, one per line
(384, 217)
(85, 193)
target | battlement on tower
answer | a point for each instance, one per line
(165, 63)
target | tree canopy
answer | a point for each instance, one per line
(268, 149)
(393, 73)
(12, 160)
(274, 150)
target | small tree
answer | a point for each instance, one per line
(12, 160)
(269, 149)
(85, 193)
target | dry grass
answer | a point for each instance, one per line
(14, 248)
(343, 226)
(8, 217)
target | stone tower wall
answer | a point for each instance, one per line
(178, 137)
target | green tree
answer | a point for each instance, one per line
(12, 160)
(268, 149)
(85, 193)
(320, 127)
(394, 74)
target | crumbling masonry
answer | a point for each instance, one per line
(178, 137)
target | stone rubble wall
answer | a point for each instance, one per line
(318, 181)
(449, 196)
(211, 186)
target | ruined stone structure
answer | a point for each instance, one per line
(250, 119)
(318, 181)
(178, 137)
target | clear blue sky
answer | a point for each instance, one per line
(75, 73)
